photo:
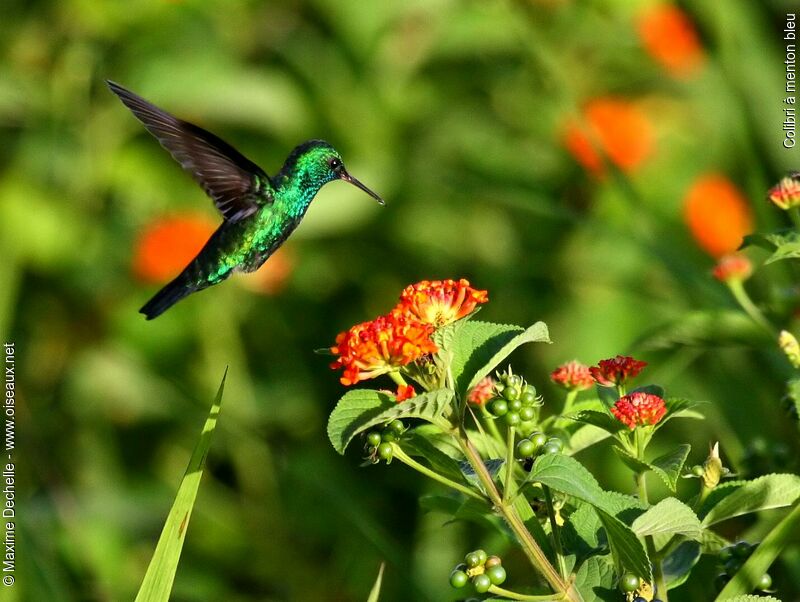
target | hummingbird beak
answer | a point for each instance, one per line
(348, 178)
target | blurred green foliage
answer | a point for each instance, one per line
(453, 112)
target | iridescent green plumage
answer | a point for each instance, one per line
(260, 212)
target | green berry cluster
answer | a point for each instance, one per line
(515, 401)
(537, 444)
(484, 571)
(635, 589)
(378, 444)
(731, 559)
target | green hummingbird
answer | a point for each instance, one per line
(259, 212)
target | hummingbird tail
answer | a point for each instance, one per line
(167, 297)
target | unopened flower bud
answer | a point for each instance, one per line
(786, 193)
(791, 348)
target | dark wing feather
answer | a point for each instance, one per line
(238, 186)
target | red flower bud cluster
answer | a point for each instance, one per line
(733, 267)
(639, 409)
(615, 371)
(573, 376)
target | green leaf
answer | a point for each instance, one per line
(785, 532)
(601, 420)
(470, 510)
(630, 460)
(479, 347)
(586, 436)
(361, 409)
(375, 593)
(793, 394)
(668, 517)
(678, 407)
(784, 244)
(628, 551)
(670, 465)
(752, 598)
(420, 446)
(678, 564)
(763, 493)
(567, 475)
(595, 580)
(157, 583)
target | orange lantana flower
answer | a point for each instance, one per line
(378, 347)
(717, 214)
(440, 302)
(573, 376)
(733, 267)
(166, 245)
(618, 128)
(786, 193)
(670, 38)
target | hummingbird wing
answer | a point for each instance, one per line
(238, 186)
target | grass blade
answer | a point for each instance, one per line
(157, 583)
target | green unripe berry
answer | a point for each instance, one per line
(557, 442)
(733, 565)
(385, 451)
(539, 439)
(482, 583)
(397, 427)
(529, 389)
(525, 448)
(528, 399)
(496, 574)
(512, 419)
(481, 555)
(373, 438)
(720, 581)
(458, 579)
(388, 435)
(511, 393)
(492, 561)
(725, 554)
(764, 583)
(527, 413)
(698, 470)
(742, 549)
(472, 560)
(499, 407)
(629, 582)
(515, 405)
(551, 448)
(499, 387)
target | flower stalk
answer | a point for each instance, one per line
(397, 452)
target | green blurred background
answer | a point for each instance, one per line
(455, 113)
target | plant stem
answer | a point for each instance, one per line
(491, 423)
(532, 550)
(509, 464)
(397, 378)
(794, 215)
(551, 513)
(743, 299)
(398, 453)
(568, 401)
(658, 573)
(496, 589)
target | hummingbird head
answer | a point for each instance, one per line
(315, 163)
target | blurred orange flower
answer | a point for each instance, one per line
(717, 214)
(166, 245)
(620, 129)
(271, 277)
(669, 37)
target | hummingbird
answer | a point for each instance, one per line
(259, 211)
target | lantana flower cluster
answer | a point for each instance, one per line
(404, 335)
(639, 409)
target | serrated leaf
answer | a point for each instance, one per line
(678, 565)
(668, 517)
(751, 598)
(567, 475)
(157, 583)
(375, 593)
(628, 551)
(595, 580)
(763, 493)
(361, 409)
(630, 460)
(784, 244)
(678, 407)
(601, 420)
(479, 347)
(670, 465)
(785, 532)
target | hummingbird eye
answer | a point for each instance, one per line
(335, 164)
